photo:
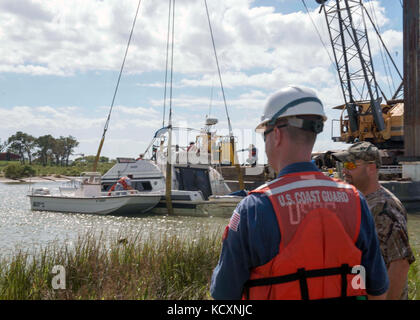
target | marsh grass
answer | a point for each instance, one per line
(414, 277)
(166, 267)
(99, 267)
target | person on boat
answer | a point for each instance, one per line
(123, 183)
(154, 151)
(303, 235)
(191, 146)
(361, 163)
(177, 153)
(193, 153)
(252, 156)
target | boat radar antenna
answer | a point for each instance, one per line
(95, 164)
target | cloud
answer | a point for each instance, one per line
(24, 118)
(256, 46)
(61, 37)
(137, 111)
(29, 10)
(259, 51)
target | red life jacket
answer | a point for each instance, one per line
(124, 183)
(112, 188)
(319, 221)
(121, 181)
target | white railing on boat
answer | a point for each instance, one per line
(128, 193)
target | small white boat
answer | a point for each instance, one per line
(85, 196)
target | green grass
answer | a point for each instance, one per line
(96, 268)
(100, 267)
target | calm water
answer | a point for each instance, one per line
(21, 228)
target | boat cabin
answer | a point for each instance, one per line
(189, 182)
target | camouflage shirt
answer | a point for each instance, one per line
(390, 219)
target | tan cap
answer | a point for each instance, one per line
(360, 151)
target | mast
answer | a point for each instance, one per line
(95, 164)
(168, 181)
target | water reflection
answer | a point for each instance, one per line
(21, 228)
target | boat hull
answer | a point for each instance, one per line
(128, 204)
(217, 207)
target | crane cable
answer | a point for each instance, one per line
(317, 31)
(218, 69)
(386, 49)
(115, 92)
(320, 38)
(385, 62)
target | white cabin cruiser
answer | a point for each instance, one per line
(197, 189)
(84, 195)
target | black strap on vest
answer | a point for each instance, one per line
(302, 275)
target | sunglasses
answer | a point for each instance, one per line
(266, 132)
(350, 165)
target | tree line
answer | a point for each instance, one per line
(44, 149)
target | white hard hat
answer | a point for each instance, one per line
(290, 102)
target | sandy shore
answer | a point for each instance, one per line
(61, 178)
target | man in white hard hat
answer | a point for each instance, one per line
(303, 235)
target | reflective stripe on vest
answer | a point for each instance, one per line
(319, 222)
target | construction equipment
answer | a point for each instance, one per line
(364, 117)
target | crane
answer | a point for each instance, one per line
(367, 114)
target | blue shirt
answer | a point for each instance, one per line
(256, 241)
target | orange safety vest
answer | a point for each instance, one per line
(319, 221)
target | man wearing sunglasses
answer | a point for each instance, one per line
(361, 163)
(300, 235)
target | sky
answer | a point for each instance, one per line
(60, 61)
